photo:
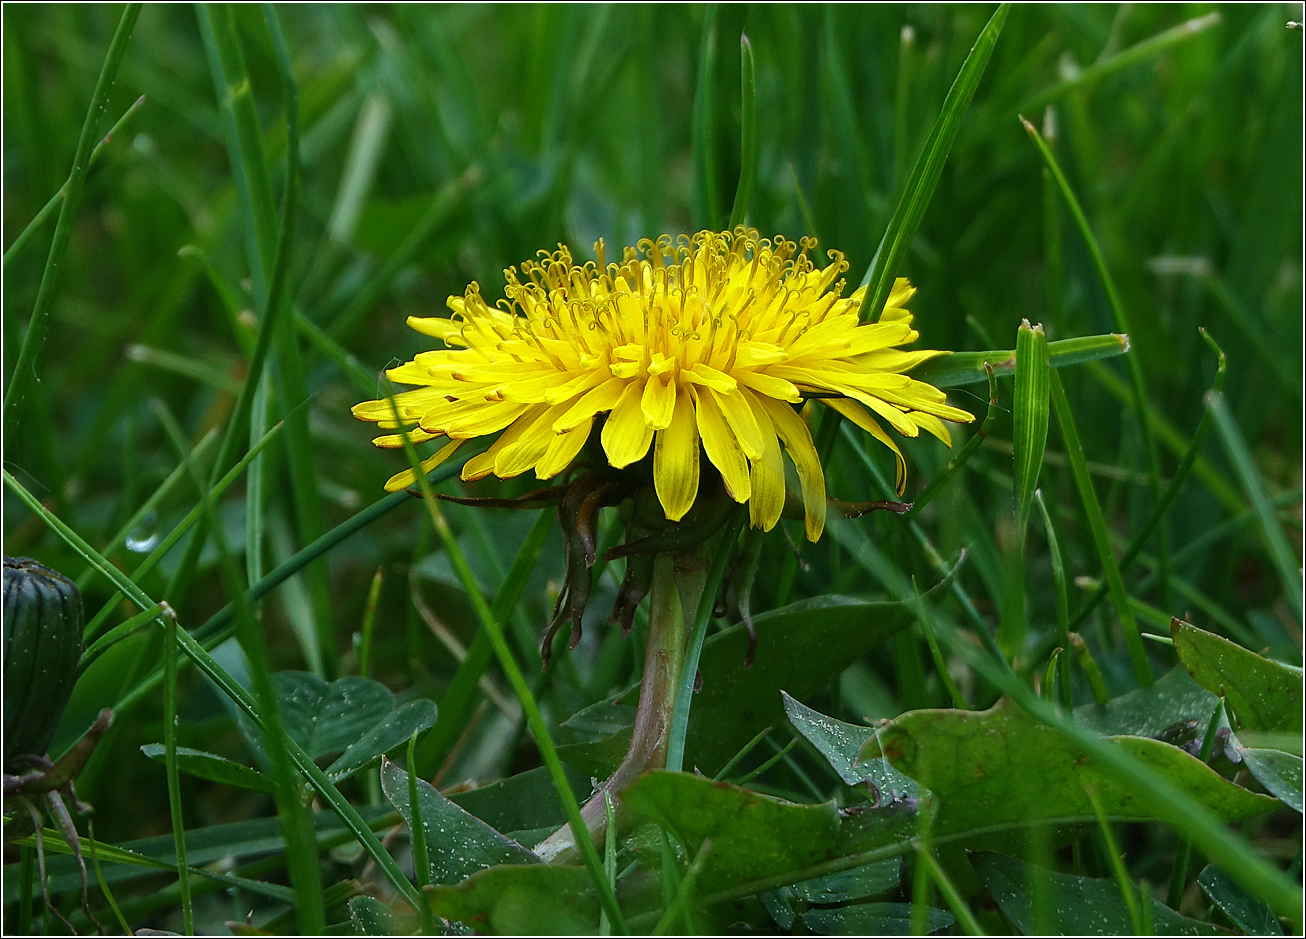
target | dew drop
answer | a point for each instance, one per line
(145, 536)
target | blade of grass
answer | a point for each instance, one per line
(1276, 544)
(609, 856)
(707, 201)
(369, 623)
(1183, 854)
(1097, 524)
(1137, 386)
(748, 133)
(151, 504)
(1118, 867)
(57, 199)
(296, 824)
(530, 708)
(680, 906)
(951, 895)
(702, 616)
(968, 368)
(230, 687)
(457, 700)
(174, 775)
(935, 485)
(1062, 602)
(940, 666)
(1139, 538)
(1029, 417)
(25, 365)
(892, 251)
(99, 879)
(417, 831)
(184, 366)
(118, 633)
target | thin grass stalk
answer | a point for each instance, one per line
(682, 905)
(174, 776)
(1140, 537)
(196, 652)
(1289, 568)
(1183, 854)
(417, 831)
(1121, 318)
(1097, 524)
(1117, 862)
(951, 895)
(34, 338)
(748, 133)
(530, 708)
(1061, 602)
(935, 485)
(103, 884)
(57, 199)
(707, 201)
(296, 824)
(369, 624)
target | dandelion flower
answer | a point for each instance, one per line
(702, 343)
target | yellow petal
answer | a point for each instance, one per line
(563, 449)
(769, 385)
(396, 441)
(798, 441)
(675, 461)
(857, 414)
(408, 477)
(740, 418)
(531, 440)
(626, 436)
(933, 425)
(722, 446)
(767, 473)
(602, 398)
(659, 402)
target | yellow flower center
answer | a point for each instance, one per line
(707, 340)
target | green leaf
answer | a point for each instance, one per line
(512, 900)
(1156, 711)
(325, 718)
(753, 836)
(840, 743)
(393, 731)
(1001, 766)
(1030, 415)
(1262, 695)
(1280, 773)
(855, 884)
(800, 647)
(370, 917)
(907, 215)
(873, 919)
(967, 368)
(1249, 913)
(1077, 906)
(523, 803)
(459, 844)
(213, 767)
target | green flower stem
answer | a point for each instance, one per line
(663, 658)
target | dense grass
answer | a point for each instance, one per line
(435, 147)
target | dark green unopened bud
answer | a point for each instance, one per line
(42, 648)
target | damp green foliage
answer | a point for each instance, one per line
(217, 219)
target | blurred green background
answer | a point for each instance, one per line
(441, 144)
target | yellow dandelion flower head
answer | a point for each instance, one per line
(704, 342)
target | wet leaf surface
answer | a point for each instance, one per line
(459, 844)
(1073, 906)
(872, 919)
(840, 743)
(1261, 694)
(391, 732)
(214, 768)
(516, 900)
(1249, 913)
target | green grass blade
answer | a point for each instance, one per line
(1121, 318)
(1172, 489)
(935, 485)
(702, 616)
(748, 133)
(229, 686)
(1276, 543)
(707, 201)
(1029, 417)
(25, 365)
(889, 257)
(1097, 524)
(1117, 862)
(170, 766)
(958, 906)
(1061, 601)
(369, 624)
(118, 633)
(57, 199)
(417, 832)
(184, 366)
(530, 708)
(681, 906)
(968, 368)
(458, 698)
